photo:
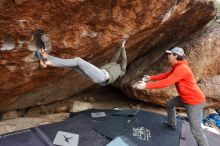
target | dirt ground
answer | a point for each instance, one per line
(97, 97)
(110, 97)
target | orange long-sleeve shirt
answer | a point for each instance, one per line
(180, 75)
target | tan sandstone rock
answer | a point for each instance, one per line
(88, 29)
(80, 106)
(202, 50)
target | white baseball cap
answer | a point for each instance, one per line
(176, 50)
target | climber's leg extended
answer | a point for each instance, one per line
(94, 73)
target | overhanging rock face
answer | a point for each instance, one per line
(90, 29)
(202, 51)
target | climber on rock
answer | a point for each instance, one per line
(107, 74)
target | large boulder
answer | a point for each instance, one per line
(202, 51)
(211, 87)
(90, 29)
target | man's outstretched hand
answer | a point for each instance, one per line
(146, 78)
(140, 85)
(123, 43)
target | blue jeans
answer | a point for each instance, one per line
(194, 113)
